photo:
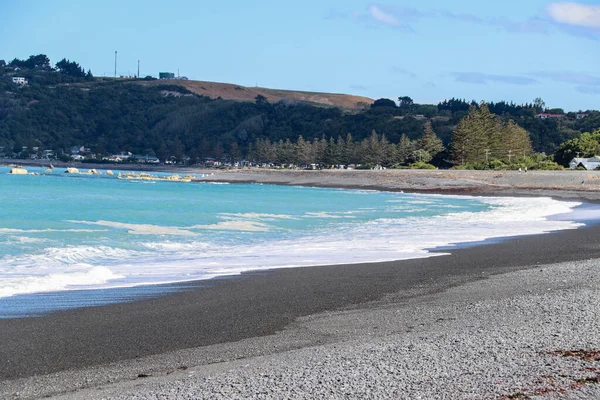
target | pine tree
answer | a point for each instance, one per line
(430, 142)
(460, 141)
(403, 150)
(350, 151)
(481, 136)
(304, 151)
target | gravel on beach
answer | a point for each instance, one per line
(519, 335)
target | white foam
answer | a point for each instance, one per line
(175, 246)
(326, 215)
(248, 226)
(11, 230)
(141, 229)
(27, 239)
(267, 217)
(174, 260)
(56, 282)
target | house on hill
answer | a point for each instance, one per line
(547, 115)
(19, 80)
(588, 163)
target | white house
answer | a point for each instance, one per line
(587, 163)
(19, 80)
(547, 115)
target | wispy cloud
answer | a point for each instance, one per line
(403, 17)
(569, 17)
(582, 81)
(575, 19)
(577, 78)
(588, 89)
(576, 14)
(382, 16)
(404, 71)
(478, 78)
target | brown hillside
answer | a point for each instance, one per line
(241, 93)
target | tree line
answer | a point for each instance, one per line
(62, 107)
(375, 150)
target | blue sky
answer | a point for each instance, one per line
(429, 49)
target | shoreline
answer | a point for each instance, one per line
(256, 306)
(565, 184)
(95, 346)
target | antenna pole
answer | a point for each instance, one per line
(138, 69)
(115, 63)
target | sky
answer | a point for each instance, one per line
(430, 50)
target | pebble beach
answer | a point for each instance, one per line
(510, 320)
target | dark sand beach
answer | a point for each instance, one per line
(108, 351)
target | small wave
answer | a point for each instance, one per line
(141, 229)
(55, 282)
(176, 247)
(248, 226)
(11, 230)
(268, 217)
(326, 215)
(27, 239)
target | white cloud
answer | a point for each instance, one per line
(575, 14)
(379, 15)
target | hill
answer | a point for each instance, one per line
(228, 91)
(51, 110)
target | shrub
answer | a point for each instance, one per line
(421, 165)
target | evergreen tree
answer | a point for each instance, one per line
(404, 149)
(481, 136)
(303, 151)
(430, 142)
(460, 141)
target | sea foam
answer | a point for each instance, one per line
(219, 230)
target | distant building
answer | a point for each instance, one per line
(145, 159)
(580, 116)
(166, 75)
(19, 80)
(546, 116)
(588, 163)
(77, 149)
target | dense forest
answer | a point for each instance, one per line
(64, 106)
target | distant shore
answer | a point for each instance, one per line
(480, 322)
(584, 185)
(567, 184)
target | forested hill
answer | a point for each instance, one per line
(64, 106)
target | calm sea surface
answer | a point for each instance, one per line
(75, 240)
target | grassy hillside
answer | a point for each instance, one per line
(230, 91)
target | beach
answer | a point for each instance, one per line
(486, 321)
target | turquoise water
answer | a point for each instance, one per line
(62, 232)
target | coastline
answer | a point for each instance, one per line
(566, 184)
(266, 306)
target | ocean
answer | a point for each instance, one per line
(71, 240)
